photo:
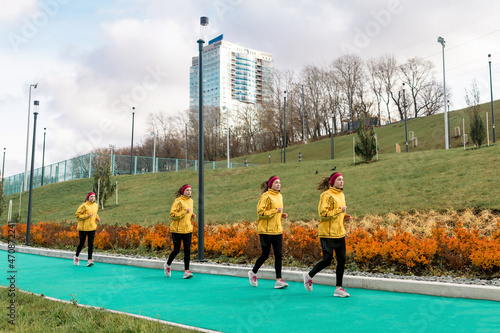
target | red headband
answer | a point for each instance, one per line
(184, 188)
(334, 176)
(271, 181)
(88, 196)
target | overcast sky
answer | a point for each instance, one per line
(94, 60)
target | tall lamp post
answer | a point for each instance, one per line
(43, 154)
(201, 185)
(186, 161)
(28, 221)
(404, 107)
(154, 151)
(112, 166)
(442, 42)
(132, 143)
(3, 165)
(28, 139)
(284, 129)
(491, 91)
(333, 134)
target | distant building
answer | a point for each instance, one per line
(233, 76)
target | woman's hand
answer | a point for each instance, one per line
(344, 209)
(188, 210)
(90, 215)
(280, 209)
(193, 216)
(98, 219)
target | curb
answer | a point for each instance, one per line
(453, 290)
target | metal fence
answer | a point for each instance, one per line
(85, 165)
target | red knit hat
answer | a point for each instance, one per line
(184, 188)
(88, 196)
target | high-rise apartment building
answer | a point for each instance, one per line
(233, 76)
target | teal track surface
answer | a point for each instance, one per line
(230, 304)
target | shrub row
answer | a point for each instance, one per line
(459, 250)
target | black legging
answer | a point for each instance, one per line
(186, 240)
(266, 241)
(82, 235)
(328, 245)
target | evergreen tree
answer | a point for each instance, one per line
(102, 180)
(477, 129)
(366, 148)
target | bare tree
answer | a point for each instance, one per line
(417, 74)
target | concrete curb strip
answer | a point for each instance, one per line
(394, 285)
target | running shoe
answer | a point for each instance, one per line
(76, 261)
(167, 270)
(280, 284)
(90, 263)
(340, 292)
(308, 282)
(187, 275)
(253, 279)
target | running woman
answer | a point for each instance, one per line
(87, 217)
(270, 229)
(181, 228)
(332, 212)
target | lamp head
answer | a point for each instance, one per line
(441, 40)
(489, 57)
(203, 25)
(36, 106)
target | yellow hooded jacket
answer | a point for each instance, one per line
(86, 222)
(269, 222)
(330, 214)
(181, 219)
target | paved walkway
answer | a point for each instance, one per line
(230, 304)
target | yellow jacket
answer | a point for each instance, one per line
(269, 222)
(330, 214)
(181, 219)
(86, 222)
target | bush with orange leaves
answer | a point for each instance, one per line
(458, 249)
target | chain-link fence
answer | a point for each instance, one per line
(85, 165)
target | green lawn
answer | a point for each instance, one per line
(426, 180)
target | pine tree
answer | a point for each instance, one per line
(477, 129)
(366, 148)
(102, 180)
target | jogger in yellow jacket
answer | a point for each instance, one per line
(269, 227)
(181, 228)
(332, 213)
(87, 225)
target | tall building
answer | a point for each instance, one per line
(233, 76)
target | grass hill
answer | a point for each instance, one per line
(427, 178)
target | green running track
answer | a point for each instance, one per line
(230, 304)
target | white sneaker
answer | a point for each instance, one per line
(76, 261)
(167, 270)
(340, 292)
(90, 263)
(308, 282)
(280, 284)
(253, 279)
(187, 275)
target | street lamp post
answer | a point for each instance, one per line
(404, 107)
(350, 112)
(186, 158)
(201, 185)
(43, 154)
(284, 130)
(333, 134)
(112, 166)
(449, 124)
(132, 143)
(442, 42)
(154, 151)
(491, 92)
(28, 139)
(28, 221)
(3, 166)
